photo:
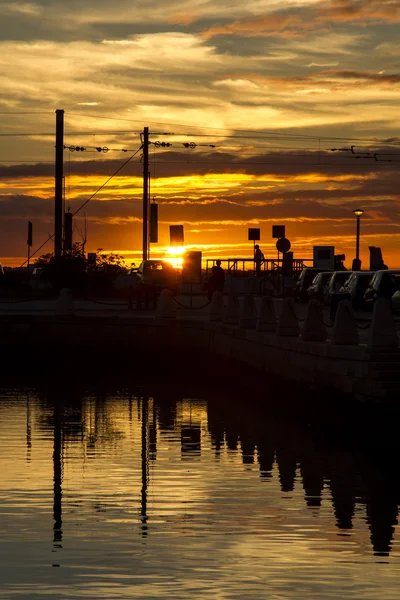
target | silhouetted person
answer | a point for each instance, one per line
(220, 276)
(356, 266)
(258, 259)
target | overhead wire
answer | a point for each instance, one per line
(241, 134)
(247, 131)
(88, 200)
(37, 250)
(109, 179)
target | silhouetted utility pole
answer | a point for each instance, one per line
(59, 175)
(145, 192)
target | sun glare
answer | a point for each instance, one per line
(175, 250)
(174, 255)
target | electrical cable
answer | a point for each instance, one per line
(254, 135)
(250, 132)
(37, 250)
(105, 183)
(88, 200)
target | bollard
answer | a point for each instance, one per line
(166, 307)
(232, 310)
(336, 297)
(266, 320)
(288, 324)
(382, 331)
(65, 304)
(314, 329)
(248, 315)
(216, 307)
(345, 330)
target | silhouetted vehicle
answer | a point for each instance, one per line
(355, 287)
(157, 275)
(384, 284)
(336, 280)
(317, 287)
(304, 281)
(396, 302)
(37, 280)
(126, 281)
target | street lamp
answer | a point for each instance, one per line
(358, 212)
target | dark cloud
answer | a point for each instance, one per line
(21, 206)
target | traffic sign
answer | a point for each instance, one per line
(283, 245)
(254, 234)
(278, 231)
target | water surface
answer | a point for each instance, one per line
(127, 496)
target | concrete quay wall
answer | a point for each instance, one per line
(367, 372)
(359, 370)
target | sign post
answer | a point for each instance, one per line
(29, 242)
(278, 232)
(283, 245)
(254, 234)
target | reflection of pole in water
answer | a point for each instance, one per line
(28, 429)
(57, 465)
(145, 463)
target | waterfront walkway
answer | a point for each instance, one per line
(195, 307)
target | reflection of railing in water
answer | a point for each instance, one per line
(246, 267)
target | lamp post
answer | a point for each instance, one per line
(358, 212)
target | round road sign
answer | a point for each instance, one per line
(283, 245)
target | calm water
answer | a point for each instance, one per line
(121, 496)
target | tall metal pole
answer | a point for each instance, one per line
(145, 192)
(358, 238)
(59, 175)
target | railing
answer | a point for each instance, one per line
(245, 266)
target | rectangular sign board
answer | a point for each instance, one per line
(324, 257)
(254, 234)
(153, 223)
(278, 231)
(29, 234)
(176, 235)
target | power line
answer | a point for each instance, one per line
(105, 183)
(86, 201)
(40, 247)
(253, 134)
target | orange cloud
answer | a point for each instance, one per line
(316, 18)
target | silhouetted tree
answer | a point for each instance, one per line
(72, 270)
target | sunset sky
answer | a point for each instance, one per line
(273, 85)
